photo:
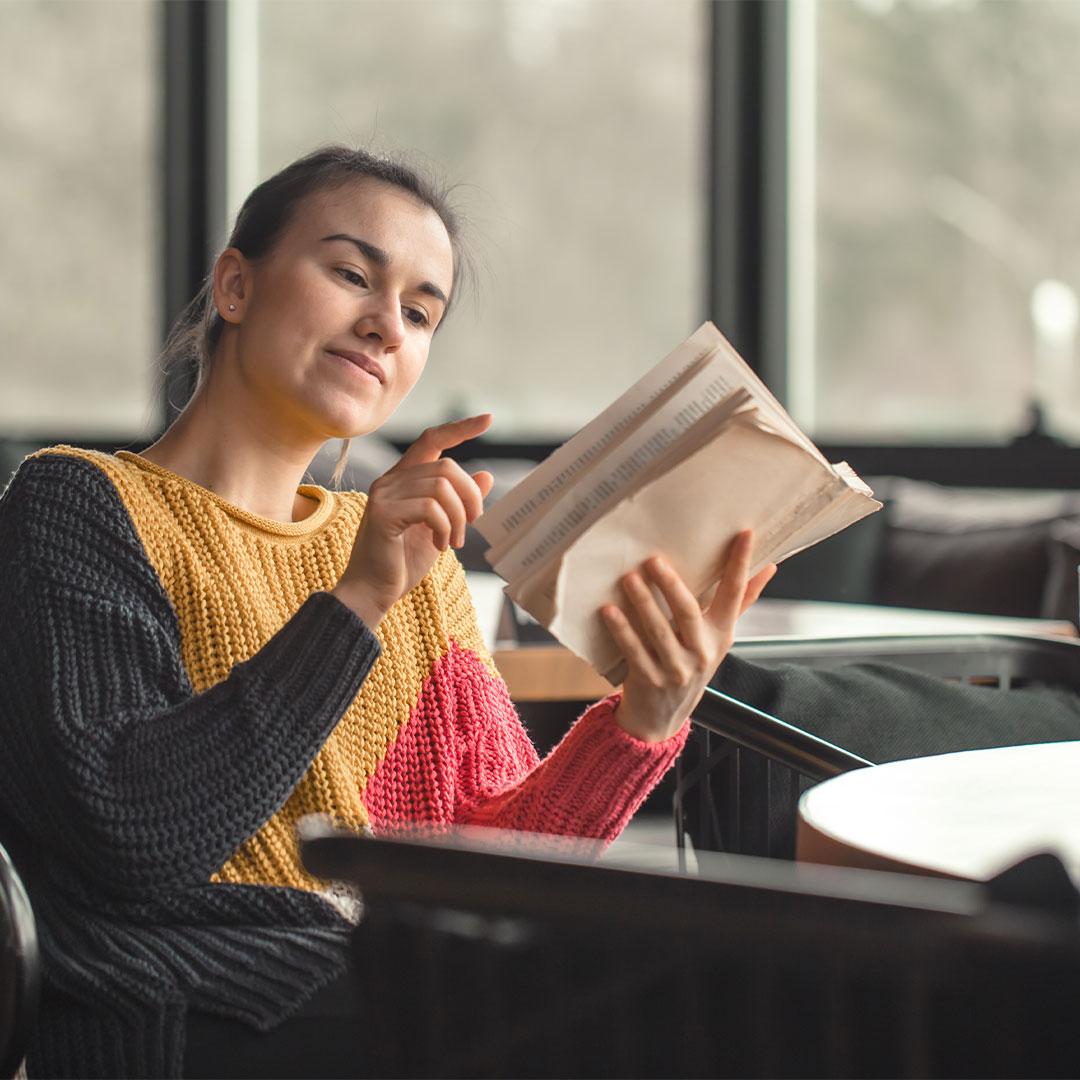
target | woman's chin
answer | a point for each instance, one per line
(346, 431)
(348, 421)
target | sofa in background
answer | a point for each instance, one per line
(989, 551)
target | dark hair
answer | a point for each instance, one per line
(266, 214)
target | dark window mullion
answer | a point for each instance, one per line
(748, 181)
(194, 66)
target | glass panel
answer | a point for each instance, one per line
(577, 130)
(79, 308)
(934, 222)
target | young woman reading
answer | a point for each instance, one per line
(199, 649)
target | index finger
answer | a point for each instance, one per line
(432, 442)
(729, 593)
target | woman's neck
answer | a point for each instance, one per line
(245, 462)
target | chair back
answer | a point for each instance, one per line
(737, 786)
(501, 962)
(20, 968)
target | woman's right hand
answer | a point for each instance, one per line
(415, 510)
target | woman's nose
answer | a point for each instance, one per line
(382, 321)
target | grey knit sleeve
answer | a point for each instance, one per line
(111, 762)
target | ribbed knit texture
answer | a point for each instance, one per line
(178, 690)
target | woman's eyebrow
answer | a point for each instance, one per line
(376, 254)
(382, 259)
(432, 290)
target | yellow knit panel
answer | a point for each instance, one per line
(448, 579)
(233, 587)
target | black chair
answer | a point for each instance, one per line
(20, 969)
(488, 962)
(738, 784)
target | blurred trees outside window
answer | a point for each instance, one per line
(79, 280)
(935, 163)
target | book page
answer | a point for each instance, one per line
(663, 391)
(694, 417)
(692, 453)
(747, 477)
(552, 475)
(773, 414)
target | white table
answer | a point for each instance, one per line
(967, 815)
(819, 619)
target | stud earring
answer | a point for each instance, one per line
(232, 307)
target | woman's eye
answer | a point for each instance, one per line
(351, 276)
(416, 316)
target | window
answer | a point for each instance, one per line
(577, 129)
(79, 306)
(934, 227)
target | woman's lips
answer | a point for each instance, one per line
(364, 363)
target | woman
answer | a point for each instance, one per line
(199, 649)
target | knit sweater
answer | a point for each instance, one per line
(179, 689)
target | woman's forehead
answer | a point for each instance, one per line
(385, 212)
(409, 235)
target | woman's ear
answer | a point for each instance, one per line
(232, 285)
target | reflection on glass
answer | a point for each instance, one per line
(577, 132)
(933, 291)
(79, 310)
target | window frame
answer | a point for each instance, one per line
(192, 58)
(746, 275)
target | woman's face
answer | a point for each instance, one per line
(334, 324)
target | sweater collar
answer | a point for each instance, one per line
(312, 523)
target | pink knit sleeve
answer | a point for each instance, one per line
(588, 786)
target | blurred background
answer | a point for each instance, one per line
(874, 199)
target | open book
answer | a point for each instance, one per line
(691, 454)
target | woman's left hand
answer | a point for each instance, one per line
(671, 663)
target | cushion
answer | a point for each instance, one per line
(975, 550)
(842, 568)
